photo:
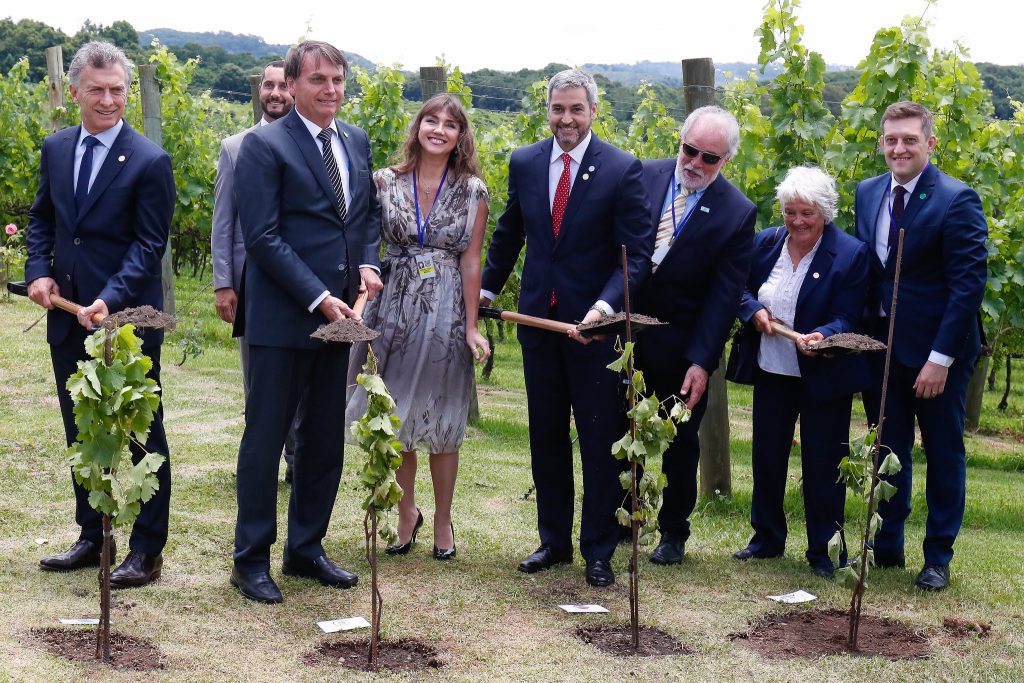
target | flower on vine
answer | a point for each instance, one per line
(11, 229)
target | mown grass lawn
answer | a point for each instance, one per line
(490, 622)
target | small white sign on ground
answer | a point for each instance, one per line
(794, 598)
(343, 624)
(584, 609)
(81, 622)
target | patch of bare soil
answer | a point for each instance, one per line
(851, 341)
(407, 654)
(145, 316)
(617, 640)
(79, 645)
(345, 330)
(616, 324)
(965, 628)
(820, 633)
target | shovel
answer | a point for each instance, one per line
(847, 342)
(348, 329)
(608, 325)
(141, 316)
(20, 288)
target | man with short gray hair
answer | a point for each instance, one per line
(96, 234)
(702, 250)
(572, 199)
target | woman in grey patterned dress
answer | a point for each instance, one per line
(434, 213)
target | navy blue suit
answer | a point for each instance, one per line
(607, 208)
(297, 247)
(696, 290)
(830, 301)
(109, 250)
(942, 282)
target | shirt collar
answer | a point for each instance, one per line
(909, 185)
(313, 128)
(576, 153)
(107, 137)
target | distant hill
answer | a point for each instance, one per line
(671, 73)
(235, 43)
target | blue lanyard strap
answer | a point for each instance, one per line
(679, 224)
(421, 227)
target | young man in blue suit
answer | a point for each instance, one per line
(937, 334)
(311, 224)
(97, 231)
(701, 259)
(573, 200)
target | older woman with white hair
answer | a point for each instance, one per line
(812, 277)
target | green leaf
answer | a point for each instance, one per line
(623, 516)
(835, 547)
(626, 480)
(847, 577)
(885, 490)
(890, 465)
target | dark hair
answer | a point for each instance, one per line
(318, 48)
(910, 110)
(462, 160)
(276, 64)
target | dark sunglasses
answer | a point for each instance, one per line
(707, 157)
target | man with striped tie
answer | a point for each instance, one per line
(311, 224)
(701, 259)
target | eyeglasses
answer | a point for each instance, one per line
(707, 157)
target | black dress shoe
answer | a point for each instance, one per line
(543, 558)
(257, 586)
(823, 571)
(403, 548)
(321, 569)
(138, 569)
(669, 550)
(933, 577)
(890, 561)
(599, 573)
(749, 554)
(83, 553)
(446, 553)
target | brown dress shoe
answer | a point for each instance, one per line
(138, 569)
(83, 553)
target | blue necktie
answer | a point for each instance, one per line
(84, 172)
(896, 218)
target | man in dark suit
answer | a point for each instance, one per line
(573, 204)
(97, 231)
(937, 333)
(311, 223)
(700, 262)
(226, 243)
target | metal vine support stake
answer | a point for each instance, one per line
(857, 599)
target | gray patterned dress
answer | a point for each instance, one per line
(421, 352)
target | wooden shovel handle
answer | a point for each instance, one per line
(72, 308)
(360, 303)
(528, 320)
(779, 328)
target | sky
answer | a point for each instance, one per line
(519, 34)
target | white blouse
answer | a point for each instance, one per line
(779, 294)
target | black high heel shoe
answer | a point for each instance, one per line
(403, 548)
(446, 553)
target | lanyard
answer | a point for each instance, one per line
(679, 225)
(421, 227)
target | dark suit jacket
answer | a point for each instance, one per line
(607, 209)
(942, 279)
(697, 287)
(831, 301)
(111, 250)
(296, 244)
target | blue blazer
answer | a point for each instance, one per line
(111, 250)
(942, 279)
(830, 301)
(296, 244)
(697, 287)
(607, 208)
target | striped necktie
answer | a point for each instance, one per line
(667, 226)
(332, 170)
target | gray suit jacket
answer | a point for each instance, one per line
(226, 241)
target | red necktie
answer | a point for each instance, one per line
(561, 199)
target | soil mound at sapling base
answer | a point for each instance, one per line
(79, 645)
(407, 654)
(617, 639)
(817, 633)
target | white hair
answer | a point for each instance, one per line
(573, 78)
(812, 185)
(98, 55)
(723, 120)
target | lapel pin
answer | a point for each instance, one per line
(345, 133)
(705, 209)
(815, 276)
(591, 169)
(586, 176)
(922, 195)
(121, 158)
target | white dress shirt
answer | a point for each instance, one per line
(779, 294)
(99, 152)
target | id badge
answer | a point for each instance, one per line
(659, 254)
(425, 266)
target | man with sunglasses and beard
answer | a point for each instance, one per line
(226, 241)
(702, 250)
